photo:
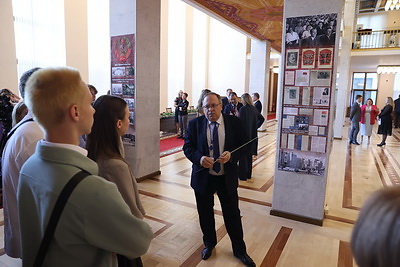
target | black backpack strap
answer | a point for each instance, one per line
(55, 216)
(13, 131)
(7, 136)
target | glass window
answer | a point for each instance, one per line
(366, 85)
(358, 80)
(371, 81)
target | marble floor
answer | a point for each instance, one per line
(354, 173)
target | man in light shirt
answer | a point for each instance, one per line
(19, 147)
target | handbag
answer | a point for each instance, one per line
(55, 216)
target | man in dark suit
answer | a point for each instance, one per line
(355, 117)
(213, 171)
(311, 41)
(397, 113)
(327, 39)
(225, 100)
(234, 106)
(251, 121)
(257, 102)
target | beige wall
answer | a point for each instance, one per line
(385, 89)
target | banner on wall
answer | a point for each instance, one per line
(123, 77)
(309, 50)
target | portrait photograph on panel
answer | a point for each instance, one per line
(292, 58)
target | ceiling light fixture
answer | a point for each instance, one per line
(388, 69)
(392, 4)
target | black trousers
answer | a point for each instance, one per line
(230, 210)
(245, 166)
(396, 119)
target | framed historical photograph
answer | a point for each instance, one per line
(292, 58)
(321, 96)
(308, 58)
(291, 95)
(320, 77)
(325, 57)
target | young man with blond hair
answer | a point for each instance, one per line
(96, 222)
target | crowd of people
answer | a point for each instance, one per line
(368, 114)
(102, 220)
(62, 134)
(311, 32)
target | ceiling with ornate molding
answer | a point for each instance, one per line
(261, 19)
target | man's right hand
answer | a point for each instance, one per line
(206, 162)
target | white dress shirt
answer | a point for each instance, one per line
(221, 141)
(18, 149)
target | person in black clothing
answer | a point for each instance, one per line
(257, 102)
(183, 114)
(176, 102)
(385, 127)
(225, 100)
(208, 143)
(6, 108)
(397, 113)
(251, 121)
(234, 106)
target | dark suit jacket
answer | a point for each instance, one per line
(397, 105)
(309, 42)
(355, 112)
(228, 108)
(196, 146)
(251, 121)
(225, 102)
(258, 105)
(324, 40)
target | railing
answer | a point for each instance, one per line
(367, 39)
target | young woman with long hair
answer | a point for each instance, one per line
(104, 145)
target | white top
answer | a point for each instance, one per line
(18, 149)
(221, 140)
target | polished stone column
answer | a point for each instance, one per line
(259, 73)
(142, 18)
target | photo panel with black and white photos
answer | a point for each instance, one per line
(311, 31)
(305, 162)
(116, 89)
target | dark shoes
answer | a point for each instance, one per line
(355, 143)
(381, 144)
(206, 253)
(245, 258)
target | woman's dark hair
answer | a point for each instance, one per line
(104, 139)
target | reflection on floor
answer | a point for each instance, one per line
(354, 173)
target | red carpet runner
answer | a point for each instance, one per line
(170, 145)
